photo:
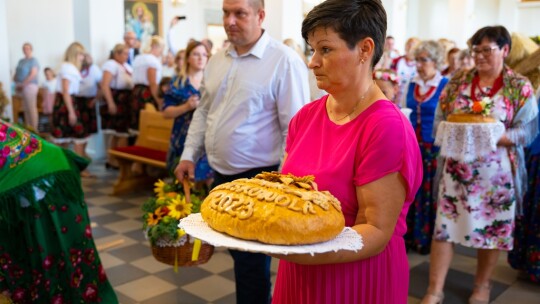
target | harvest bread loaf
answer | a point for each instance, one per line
(274, 209)
(469, 118)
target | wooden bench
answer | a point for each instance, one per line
(150, 149)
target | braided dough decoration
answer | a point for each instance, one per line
(275, 209)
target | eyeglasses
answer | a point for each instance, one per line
(485, 51)
(423, 59)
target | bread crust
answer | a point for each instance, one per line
(274, 209)
(469, 118)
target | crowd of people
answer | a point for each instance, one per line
(259, 104)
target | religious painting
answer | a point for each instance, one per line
(143, 17)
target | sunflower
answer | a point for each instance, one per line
(154, 218)
(160, 188)
(179, 208)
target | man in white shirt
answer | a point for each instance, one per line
(131, 41)
(251, 91)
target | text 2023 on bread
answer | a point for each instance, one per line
(275, 209)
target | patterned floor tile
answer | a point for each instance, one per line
(220, 261)
(131, 253)
(109, 260)
(101, 199)
(145, 288)
(229, 299)
(184, 276)
(99, 232)
(176, 296)
(132, 212)
(97, 211)
(103, 220)
(114, 241)
(136, 235)
(118, 206)
(124, 226)
(220, 288)
(150, 265)
(123, 274)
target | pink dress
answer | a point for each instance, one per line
(378, 142)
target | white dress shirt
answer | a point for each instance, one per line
(246, 106)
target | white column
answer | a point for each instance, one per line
(98, 25)
(461, 19)
(5, 78)
(396, 14)
(284, 19)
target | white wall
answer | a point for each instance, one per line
(193, 27)
(529, 18)
(47, 24)
(106, 27)
(5, 78)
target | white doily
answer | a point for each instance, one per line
(468, 141)
(194, 225)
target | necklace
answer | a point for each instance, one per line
(355, 106)
(497, 85)
(423, 97)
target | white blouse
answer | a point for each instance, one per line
(140, 68)
(70, 72)
(121, 74)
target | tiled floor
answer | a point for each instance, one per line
(138, 278)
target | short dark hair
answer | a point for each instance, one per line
(498, 34)
(353, 20)
(257, 4)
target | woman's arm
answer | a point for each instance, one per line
(380, 203)
(33, 73)
(107, 94)
(175, 111)
(151, 74)
(69, 102)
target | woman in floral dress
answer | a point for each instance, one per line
(477, 200)
(181, 100)
(422, 98)
(47, 253)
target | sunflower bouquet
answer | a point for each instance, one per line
(161, 217)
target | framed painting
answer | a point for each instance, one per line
(143, 17)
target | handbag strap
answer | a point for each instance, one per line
(187, 190)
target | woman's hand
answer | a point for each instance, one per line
(72, 118)
(112, 108)
(192, 102)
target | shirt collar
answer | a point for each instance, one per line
(257, 50)
(433, 82)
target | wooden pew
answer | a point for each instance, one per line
(150, 149)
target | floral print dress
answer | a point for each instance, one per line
(477, 199)
(47, 253)
(178, 94)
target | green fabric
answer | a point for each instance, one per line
(47, 253)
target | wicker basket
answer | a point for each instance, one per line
(182, 255)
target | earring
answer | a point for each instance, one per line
(362, 60)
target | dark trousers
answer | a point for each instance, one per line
(251, 270)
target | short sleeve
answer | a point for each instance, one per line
(96, 73)
(380, 151)
(111, 67)
(35, 63)
(69, 72)
(389, 146)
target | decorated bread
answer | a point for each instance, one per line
(275, 209)
(469, 118)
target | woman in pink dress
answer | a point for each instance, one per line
(359, 147)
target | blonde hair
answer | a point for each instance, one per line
(179, 54)
(182, 74)
(72, 52)
(296, 47)
(155, 41)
